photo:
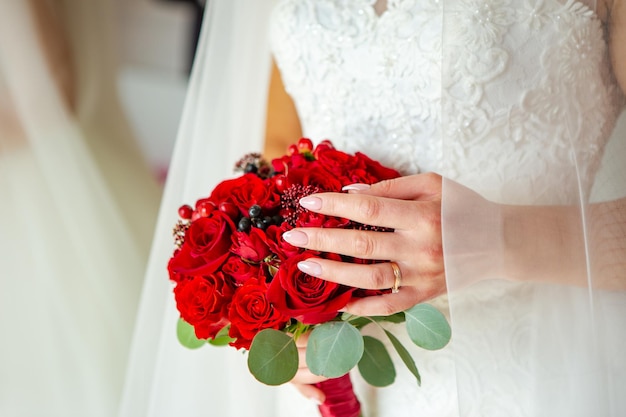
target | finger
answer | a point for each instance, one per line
(302, 357)
(356, 243)
(386, 304)
(305, 376)
(311, 392)
(425, 186)
(366, 209)
(302, 340)
(378, 276)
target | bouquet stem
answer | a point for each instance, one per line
(340, 398)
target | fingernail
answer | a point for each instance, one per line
(356, 187)
(296, 237)
(311, 268)
(312, 203)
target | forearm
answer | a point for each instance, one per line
(554, 244)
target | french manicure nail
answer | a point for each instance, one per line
(356, 187)
(296, 237)
(312, 203)
(311, 268)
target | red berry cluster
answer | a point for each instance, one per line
(305, 147)
(204, 208)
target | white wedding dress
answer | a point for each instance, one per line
(510, 98)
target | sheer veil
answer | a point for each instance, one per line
(223, 118)
(569, 337)
(72, 224)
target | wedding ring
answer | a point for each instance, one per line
(397, 277)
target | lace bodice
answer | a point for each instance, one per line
(515, 79)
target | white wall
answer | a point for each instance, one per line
(152, 42)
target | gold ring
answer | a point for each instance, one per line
(397, 277)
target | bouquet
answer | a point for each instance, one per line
(237, 282)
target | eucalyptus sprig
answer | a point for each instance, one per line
(335, 347)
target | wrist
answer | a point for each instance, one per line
(543, 244)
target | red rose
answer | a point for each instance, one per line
(278, 245)
(337, 163)
(311, 219)
(203, 302)
(375, 169)
(251, 246)
(308, 299)
(288, 162)
(316, 176)
(246, 191)
(239, 270)
(206, 247)
(174, 270)
(250, 312)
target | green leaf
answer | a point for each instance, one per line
(345, 316)
(273, 357)
(221, 338)
(376, 365)
(394, 318)
(427, 327)
(359, 322)
(333, 349)
(187, 335)
(405, 356)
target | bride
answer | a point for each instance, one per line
(515, 228)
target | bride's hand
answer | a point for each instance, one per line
(304, 379)
(412, 207)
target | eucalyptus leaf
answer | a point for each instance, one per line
(273, 357)
(405, 356)
(345, 316)
(359, 322)
(427, 327)
(187, 335)
(376, 365)
(394, 318)
(333, 349)
(221, 338)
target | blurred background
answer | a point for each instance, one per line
(156, 41)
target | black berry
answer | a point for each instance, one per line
(255, 211)
(244, 224)
(259, 223)
(250, 168)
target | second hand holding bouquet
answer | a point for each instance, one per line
(237, 280)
